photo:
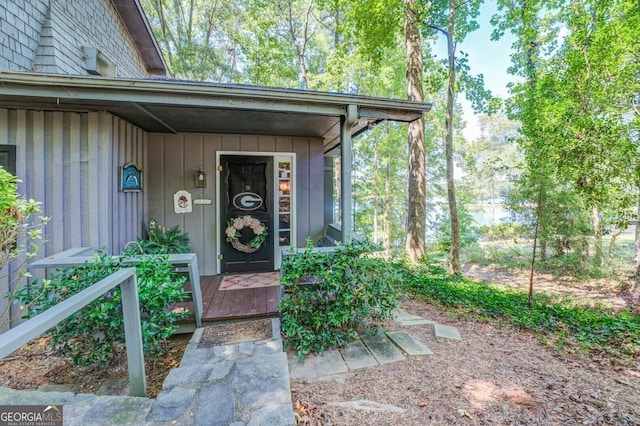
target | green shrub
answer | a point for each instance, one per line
(162, 240)
(330, 297)
(20, 238)
(94, 336)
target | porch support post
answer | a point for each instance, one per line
(347, 122)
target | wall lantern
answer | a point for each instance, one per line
(201, 179)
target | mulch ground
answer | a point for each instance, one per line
(494, 376)
(35, 364)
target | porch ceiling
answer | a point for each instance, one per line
(170, 106)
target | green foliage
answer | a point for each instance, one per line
(20, 237)
(94, 336)
(595, 330)
(468, 230)
(503, 231)
(330, 297)
(162, 240)
(16, 221)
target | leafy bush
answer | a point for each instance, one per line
(330, 297)
(586, 328)
(503, 231)
(94, 336)
(20, 236)
(162, 240)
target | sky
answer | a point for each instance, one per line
(486, 57)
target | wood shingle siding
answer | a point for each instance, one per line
(49, 36)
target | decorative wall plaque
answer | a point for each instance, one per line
(182, 202)
(130, 178)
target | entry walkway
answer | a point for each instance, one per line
(241, 384)
(244, 384)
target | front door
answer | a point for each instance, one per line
(246, 209)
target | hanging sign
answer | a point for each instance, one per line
(247, 201)
(182, 202)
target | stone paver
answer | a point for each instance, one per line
(408, 344)
(330, 362)
(383, 350)
(405, 318)
(171, 405)
(446, 332)
(370, 350)
(357, 356)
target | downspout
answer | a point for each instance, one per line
(347, 122)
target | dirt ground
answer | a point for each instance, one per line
(495, 376)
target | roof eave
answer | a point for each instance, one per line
(136, 23)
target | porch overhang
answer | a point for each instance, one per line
(173, 106)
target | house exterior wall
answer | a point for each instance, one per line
(49, 35)
(70, 163)
(174, 159)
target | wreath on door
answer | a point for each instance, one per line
(234, 226)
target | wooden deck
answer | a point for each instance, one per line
(225, 305)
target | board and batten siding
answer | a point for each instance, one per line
(70, 163)
(174, 159)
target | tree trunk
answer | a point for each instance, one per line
(636, 278)
(612, 245)
(416, 209)
(597, 235)
(454, 254)
(388, 210)
(388, 204)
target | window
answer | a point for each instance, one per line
(8, 158)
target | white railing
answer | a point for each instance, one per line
(15, 338)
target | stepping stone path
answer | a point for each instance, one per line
(370, 351)
(244, 384)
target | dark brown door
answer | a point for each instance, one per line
(246, 201)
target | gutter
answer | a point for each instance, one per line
(189, 89)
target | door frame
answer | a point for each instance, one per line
(277, 157)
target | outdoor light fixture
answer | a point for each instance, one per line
(201, 179)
